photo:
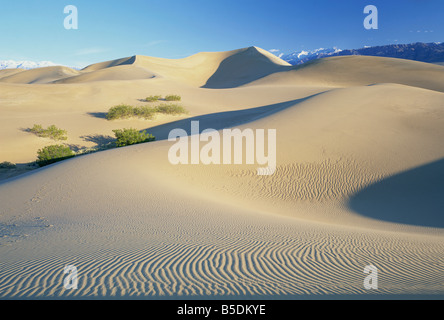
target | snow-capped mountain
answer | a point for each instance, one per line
(424, 52)
(297, 58)
(11, 64)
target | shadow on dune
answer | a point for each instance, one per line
(99, 139)
(414, 197)
(242, 68)
(223, 120)
(112, 63)
(100, 115)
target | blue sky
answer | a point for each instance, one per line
(33, 29)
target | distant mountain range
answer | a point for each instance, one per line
(297, 58)
(425, 52)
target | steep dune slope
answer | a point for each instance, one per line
(217, 69)
(110, 64)
(245, 67)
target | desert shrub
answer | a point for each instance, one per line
(7, 165)
(37, 130)
(171, 109)
(127, 137)
(53, 154)
(153, 98)
(144, 112)
(173, 97)
(122, 111)
(51, 132)
(56, 133)
(125, 111)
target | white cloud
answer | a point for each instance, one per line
(274, 50)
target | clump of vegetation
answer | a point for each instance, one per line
(52, 154)
(127, 137)
(146, 113)
(173, 97)
(171, 109)
(55, 153)
(122, 111)
(51, 132)
(37, 130)
(7, 165)
(153, 98)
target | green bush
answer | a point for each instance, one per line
(153, 98)
(127, 137)
(7, 165)
(125, 111)
(144, 112)
(38, 130)
(173, 97)
(53, 154)
(51, 132)
(56, 133)
(122, 111)
(171, 109)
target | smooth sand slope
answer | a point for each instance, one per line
(41, 75)
(360, 71)
(358, 182)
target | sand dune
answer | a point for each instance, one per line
(216, 69)
(110, 64)
(244, 67)
(9, 72)
(122, 72)
(358, 178)
(328, 148)
(41, 75)
(248, 66)
(209, 69)
(359, 71)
